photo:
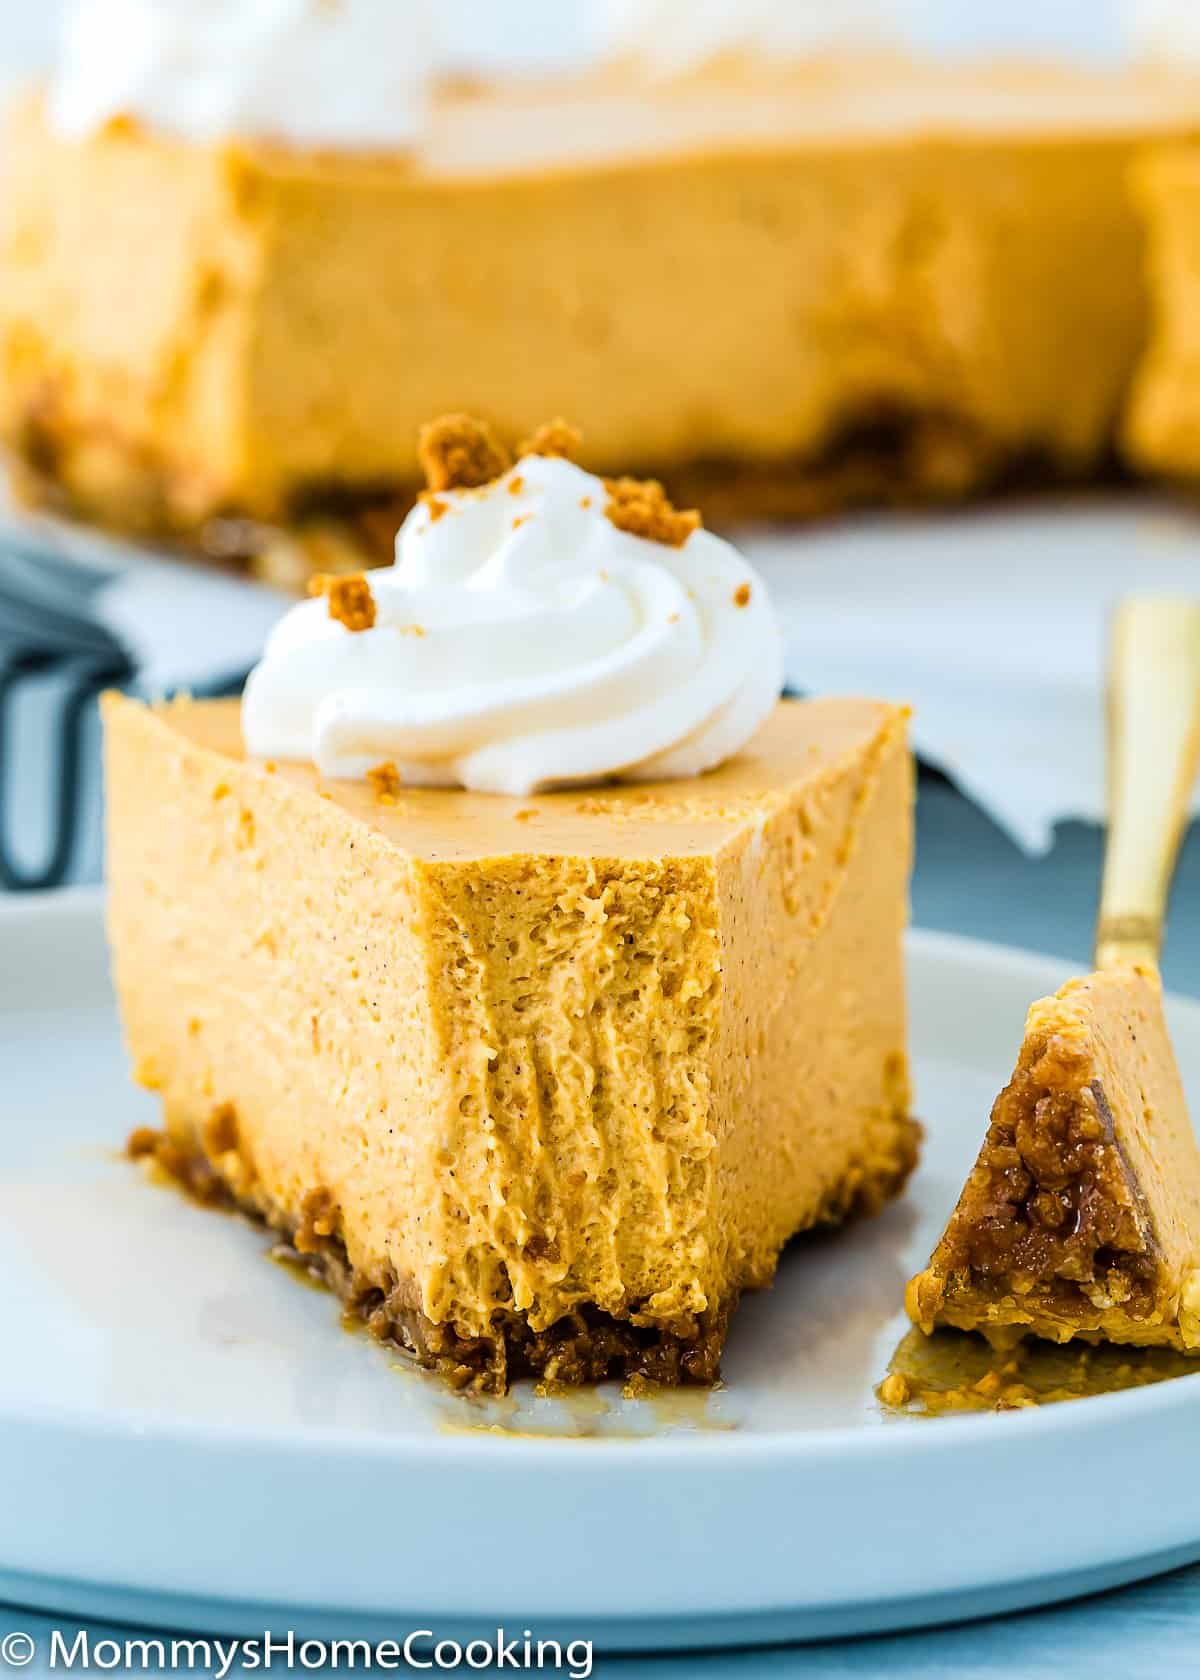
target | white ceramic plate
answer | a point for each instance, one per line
(188, 1437)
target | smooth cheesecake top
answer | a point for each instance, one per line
(802, 743)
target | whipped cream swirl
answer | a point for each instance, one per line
(335, 74)
(523, 642)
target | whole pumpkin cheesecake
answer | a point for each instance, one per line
(512, 950)
(783, 287)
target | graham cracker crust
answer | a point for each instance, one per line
(588, 1346)
(1052, 1216)
(585, 1347)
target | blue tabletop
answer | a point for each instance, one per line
(970, 878)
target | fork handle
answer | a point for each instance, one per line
(1153, 752)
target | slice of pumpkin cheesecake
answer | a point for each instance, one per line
(512, 949)
(1081, 1216)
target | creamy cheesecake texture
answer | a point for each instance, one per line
(782, 293)
(577, 1060)
(1082, 1214)
(1163, 431)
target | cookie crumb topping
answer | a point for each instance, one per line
(558, 439)
(386, 782)
(350, 600)
(458, 452)
(641, 507)
(741, 595)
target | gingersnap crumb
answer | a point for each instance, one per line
(270, 767)
(188, 1167)
(741, 595)
(1015, 1398)
(640, 506)
(122, 125)
(220, 1133)
(894, 1390)
(557, 439)
(386, 782)
(412, 630)
(437, 507)
(350, 599)
(585, 501)
(526, 814)
(458, 452)
(521, 519)
(318, 1219)
(516, 484)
